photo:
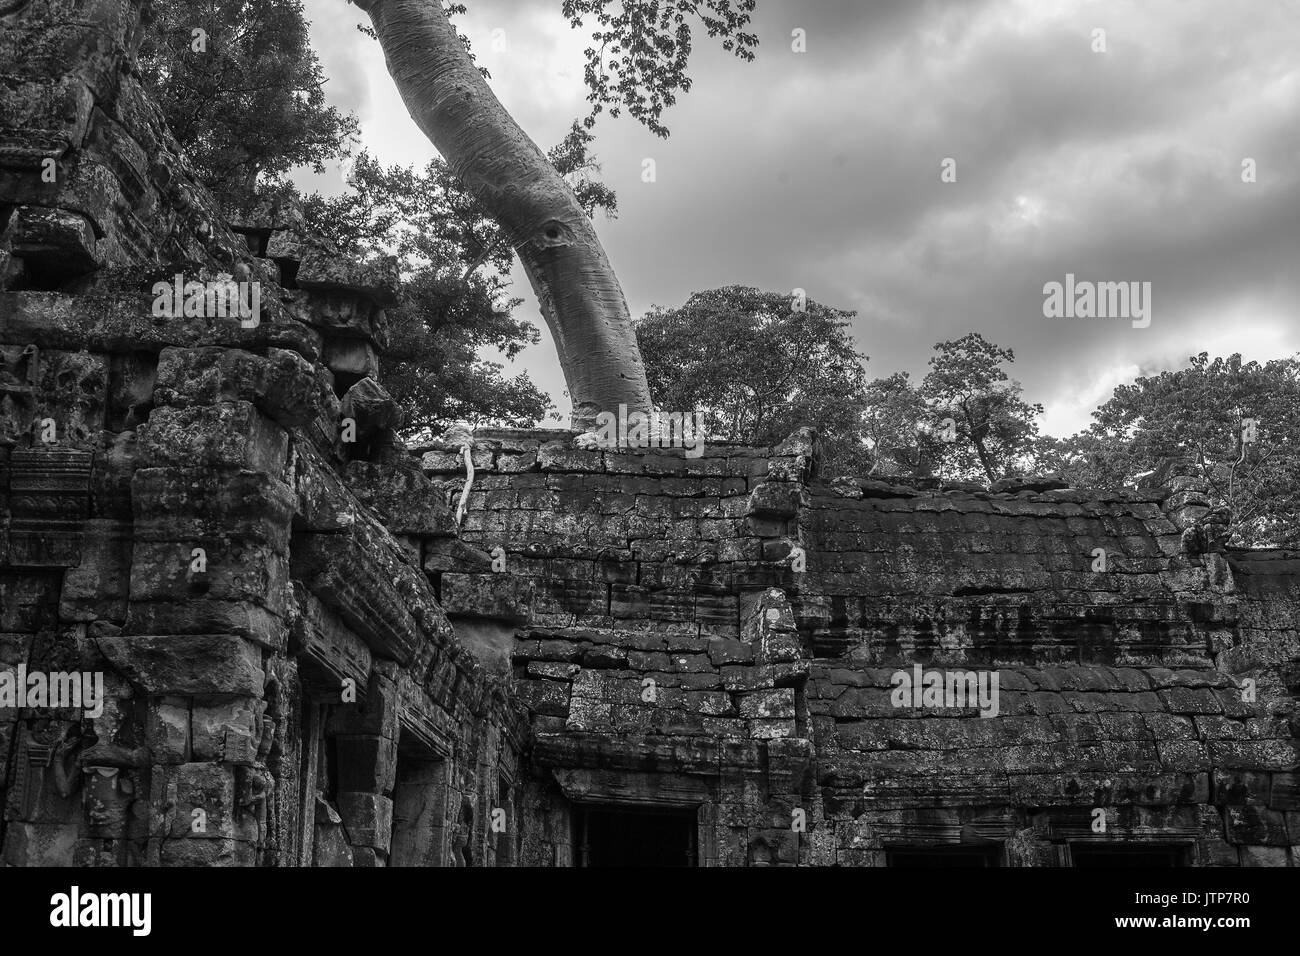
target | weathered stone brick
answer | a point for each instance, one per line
(187, 663)
(222, 436)
(545, 697)
(367, 818)
(776, 703)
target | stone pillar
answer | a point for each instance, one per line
(1203, 526)
(208, 604)
(365, 738)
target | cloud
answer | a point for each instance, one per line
(821, 170)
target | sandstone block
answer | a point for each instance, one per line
(230, 435)
(282, 384)
(216, 725)
(187, 663)
(368, 819)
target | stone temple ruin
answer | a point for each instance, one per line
(616, 657)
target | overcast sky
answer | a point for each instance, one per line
(821, 170)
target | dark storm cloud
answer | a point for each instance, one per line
(821, 169)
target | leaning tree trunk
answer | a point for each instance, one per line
(505, 171)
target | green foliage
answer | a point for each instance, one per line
(1195, 414)
(758, 369)
(249, 107)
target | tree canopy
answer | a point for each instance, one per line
(640, 51)
(453, 258)
(243, 92)
(637, 63)
(1236, 422)
(969, 391)
(899, 429)
(759, 364)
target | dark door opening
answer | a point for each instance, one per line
(1127, 854)
(618, 836)
(912, 857)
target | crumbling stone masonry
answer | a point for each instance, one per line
(617, 656)
(214, 513)
(1156, 695)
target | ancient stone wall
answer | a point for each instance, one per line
(212, 512)
(308, 660)
(673, 652)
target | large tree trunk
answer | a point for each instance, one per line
(505, 171)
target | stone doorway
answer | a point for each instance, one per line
(914, 857)
(420, 809)
(635, 836)
(1127, 854)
